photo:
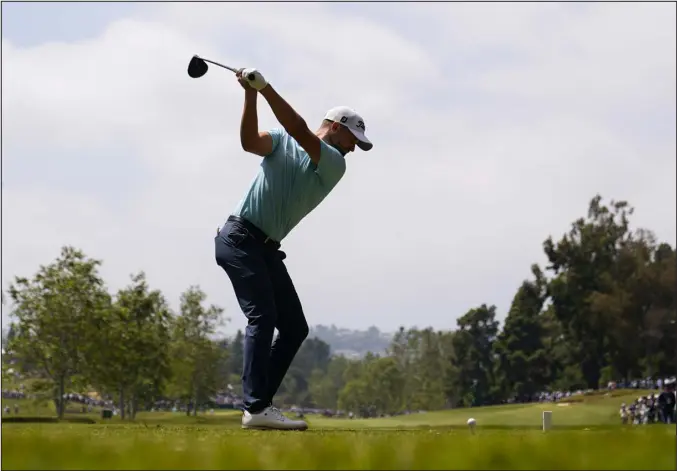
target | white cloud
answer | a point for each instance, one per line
(493, 127)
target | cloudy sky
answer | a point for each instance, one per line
(493, 126)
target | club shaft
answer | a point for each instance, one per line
(220, 65)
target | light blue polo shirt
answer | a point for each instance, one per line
(289, 185)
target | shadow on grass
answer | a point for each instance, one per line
(48, 420)
(230, 420)
(147, 421)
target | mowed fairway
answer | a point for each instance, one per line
(586, 435)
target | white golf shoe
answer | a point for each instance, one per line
(271, 418)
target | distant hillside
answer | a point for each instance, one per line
(352, 343)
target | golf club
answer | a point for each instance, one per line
(197, 67)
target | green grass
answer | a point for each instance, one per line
(586, 435)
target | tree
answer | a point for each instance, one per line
(474, 361)
(613, 294)
(132, 357)
(234, 362)
(236, 354)
(59, 314)
(324, 387)
(314, 353)
(224, 365)
(639, 296)
(196, 356)
(563, 373)
(661, 318)
(427, 373)
(582, 262)
(404, 348)
(313, 357)
(522, 359)
(450, 371)
(354, 397)
(386, 384)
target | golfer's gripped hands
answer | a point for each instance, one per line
(257, 83)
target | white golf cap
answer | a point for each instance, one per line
(353, 121)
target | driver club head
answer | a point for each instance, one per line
(197, 67)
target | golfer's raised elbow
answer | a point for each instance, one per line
(247, 144)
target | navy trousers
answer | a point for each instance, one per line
(268, 299)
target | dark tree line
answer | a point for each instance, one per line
(602, 309)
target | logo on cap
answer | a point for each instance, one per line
(360, 123)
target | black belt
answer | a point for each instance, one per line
(255, 232)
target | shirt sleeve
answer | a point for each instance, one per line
(332, 165)
(276, 134)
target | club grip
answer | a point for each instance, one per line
(251, 77)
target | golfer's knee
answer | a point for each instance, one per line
(303, 331)
(300, 332)
(295, 333)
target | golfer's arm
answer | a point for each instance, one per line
(253, 141)
(293, 123)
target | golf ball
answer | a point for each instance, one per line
(471, 422)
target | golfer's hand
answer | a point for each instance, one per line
(257, 82)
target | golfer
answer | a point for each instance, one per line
(298, 170)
